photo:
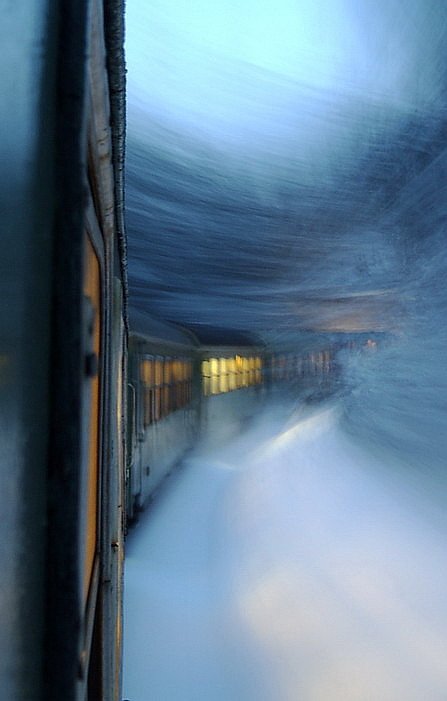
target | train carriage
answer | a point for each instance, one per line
(232, 379)
(163, 404)
(63, 346)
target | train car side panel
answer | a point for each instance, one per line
(27, 203)
(163, 406)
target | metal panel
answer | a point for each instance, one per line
(28, 37)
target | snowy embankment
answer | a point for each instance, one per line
(287, 566)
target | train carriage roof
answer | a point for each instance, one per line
(219, 341)
(219, 336)
(116, 71)
(152, 329)
(207, 338)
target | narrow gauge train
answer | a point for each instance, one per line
(200, 383)
(62, 350)
(179, 382)
(162, 405)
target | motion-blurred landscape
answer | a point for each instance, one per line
(286, 174)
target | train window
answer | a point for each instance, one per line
(206, 378)
(180, 385)
(178, 374)
(252, 370)
(231, 365)
(147, 379)
(223, 375)
(188, 392)
(214, 373)
(158, 376)
(189, 381)
(158, 372)
(167, 367)
(146, 370)
(175, 390)
(186, 383)
(166, 374)
(238, 370)
(91, 468)
(246, 375)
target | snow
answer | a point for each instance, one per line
(289, 564)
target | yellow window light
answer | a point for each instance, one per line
(206, 369)
(224, 384)
(214, 384)
(231, 365)
(146, 371)
(158, 372)
(167, 371)
(223, 377)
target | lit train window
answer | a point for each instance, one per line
(184, 387)
(179, 387)
(231, 365)
(166, 375)
(221, 375)
(251, 371)
(167, 367)
(246, 365)
(189, 381)
(166, 386)
(239, 370)
(214, 376)
(206, 378)
(158, 377)
(158, 372)
(147, 379)
(146, 370)
(176, 370)
(91, 468)
(175, 401)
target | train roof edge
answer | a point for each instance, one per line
(206, 337)
(114, 32)
(145, 325)
(216, 336)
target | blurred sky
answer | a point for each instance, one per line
(191, 57)
(280, 133)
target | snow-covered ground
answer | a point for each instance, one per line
(287, 566)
